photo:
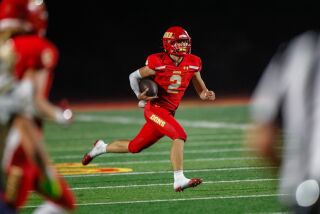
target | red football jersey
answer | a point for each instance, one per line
(172, 80)
(36, 53)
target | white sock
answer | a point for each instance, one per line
(179, 176)
(179, 179)
(49, 208)
(98, 149)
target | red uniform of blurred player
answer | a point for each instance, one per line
(172, 70)
(29, 56)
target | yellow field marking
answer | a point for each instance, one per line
(79, 169)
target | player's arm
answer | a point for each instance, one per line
(201, 88)
(265, 107)
(263, 138)
(135, 77)
(43, 105)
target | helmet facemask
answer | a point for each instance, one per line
(182, 47)
(176, 41)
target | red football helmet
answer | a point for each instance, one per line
(176, 41)
(26, 15)
(38, 16)
(13, 15)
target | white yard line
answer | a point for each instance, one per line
(166, 172)
(170, 184)
(148, 153)
(176, 200)
(107, 163)
(189, 144)
(140, 121)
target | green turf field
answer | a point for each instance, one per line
(235, 181)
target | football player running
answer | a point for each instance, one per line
(29, 59)
(172, 70)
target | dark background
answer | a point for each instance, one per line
(102, 42)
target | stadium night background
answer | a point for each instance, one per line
(102, 43)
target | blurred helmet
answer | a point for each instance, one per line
(38, 16)
(176, 41)
(13, 15)
(29, 16)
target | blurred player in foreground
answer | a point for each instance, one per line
(286, 108)
(28, 58)
(172, 70)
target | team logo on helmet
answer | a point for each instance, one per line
(168, 35)
(177, 41)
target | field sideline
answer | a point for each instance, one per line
(235, 180)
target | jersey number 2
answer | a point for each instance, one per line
(175, 81)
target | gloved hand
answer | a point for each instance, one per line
(142, 103)
(64, 115)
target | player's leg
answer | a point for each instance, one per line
(24, 133)
(4, 128)
(22, 170)
(176, 157)
(146, 137)
(61, 203)
(100, 147)
(176, 154)
(24, 175)
(17, 175)
(20, 177)
(168, 125)
(5, 123)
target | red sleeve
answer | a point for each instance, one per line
(46, 59)
(48, 84)
(49, 60)
(16, 9)
(153, 61)
(49, 57)
(200, 64)
(31, 63)
(195, 63)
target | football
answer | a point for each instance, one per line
(151, 85)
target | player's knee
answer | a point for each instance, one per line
(181, 135)
(184, 136)
(133, 148)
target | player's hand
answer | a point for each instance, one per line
(143, 96)
(64, 116)
(207, 95)
(142, 103)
